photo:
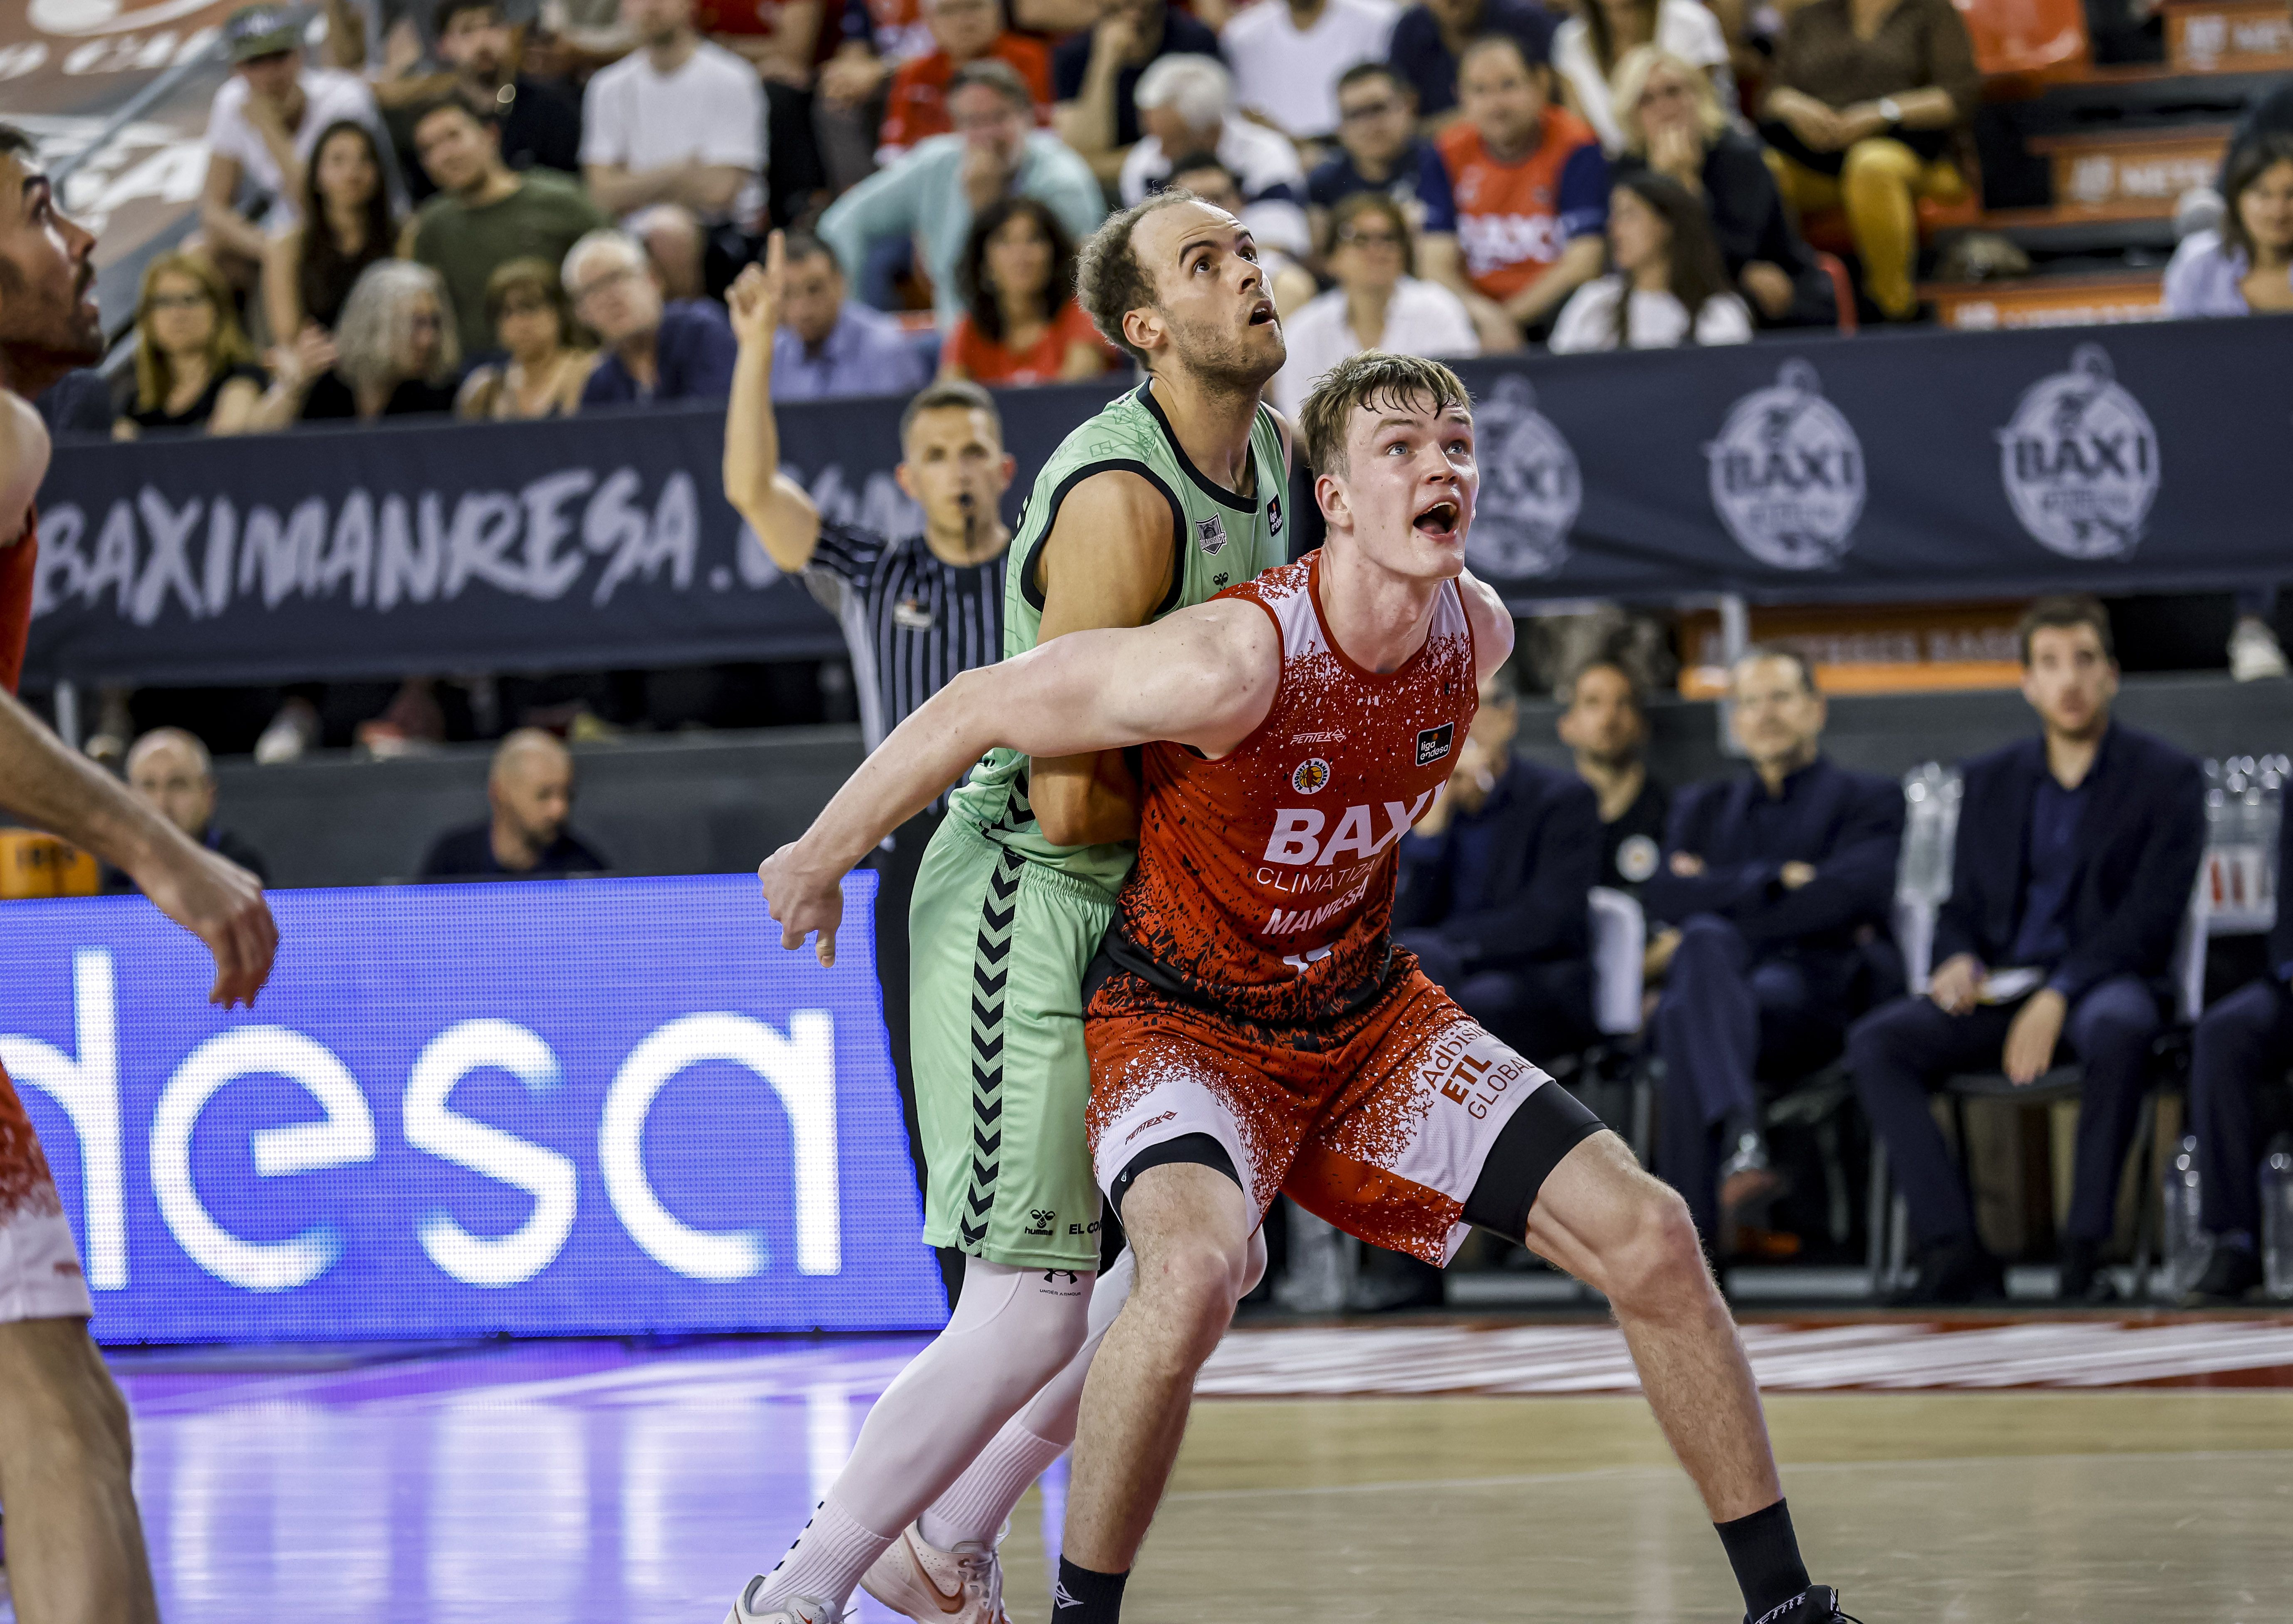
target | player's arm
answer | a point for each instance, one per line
(1106, 563)
(214, 899)
(777, 508)
(1492, 622)
(24, 450)
(1205, 677)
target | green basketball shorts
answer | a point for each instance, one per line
(997, 950)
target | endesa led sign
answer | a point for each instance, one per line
(550, 1109)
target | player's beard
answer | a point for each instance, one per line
(42, 337)
(1221, 363)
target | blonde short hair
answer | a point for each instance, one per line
(1632, 77)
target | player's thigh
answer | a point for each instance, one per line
(1605, 1219)
(1446, 1128)
(56, 1397)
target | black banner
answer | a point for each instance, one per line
(2131, 458)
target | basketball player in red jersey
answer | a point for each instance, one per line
(1254, 1029)
(75, 1542)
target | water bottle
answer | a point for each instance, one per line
(2277, 1217)
(2186, 1243)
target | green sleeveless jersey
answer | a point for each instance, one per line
(1219, 539)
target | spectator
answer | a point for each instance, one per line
(827, 344)
(396, 349)
(1379, 304)
(676, 247)
(1186, 104)
(1605, 726)
(2246, 267)
(653, 351)
(1674, 124)
(1532, 187)
(1667, 286)
(678, 120)
(2243, 1044)
(915, 108)
(530, 788)
(2074, 856)
(1869, 121)
(1021, 324)
(1379, 149)
(171, 769)
(263, 127)
(1096, 74)
(1775, 889)
(1492, 896)
(934, 193)
(486, 214)
(194, 369)
(1287, 56)
(1431, 39)
(532, 325)
(1590, 46)
(539, 124)
(344, 225)
(1203, 175)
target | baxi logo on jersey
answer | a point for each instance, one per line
(1787, 473)
(1311, 775)
(1530, 487)
(1210, 535)
(2080, 461)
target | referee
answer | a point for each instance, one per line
(915, 611)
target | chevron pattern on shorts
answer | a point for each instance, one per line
(990, 970)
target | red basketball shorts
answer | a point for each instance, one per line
(40, 1276)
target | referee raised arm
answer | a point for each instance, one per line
(915, 610)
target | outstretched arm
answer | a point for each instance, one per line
(777, 508)
(1204, 678)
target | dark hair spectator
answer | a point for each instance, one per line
(653, 351)
(2246, 266)
(1591, 46)
(678, 120)
(345, 225)
(2071, 876)
(1287, 57)
(963, 31)
(1667, 286)
(541, 123)
(395, 351)
(1021, 323)
(194, 369)
(829, 344)
(2063, 611)
(1870, 121)
(1431, 39)
(1094, 75)
(1672, 122)
(547, 363)
(1531, 183)
(1604, 723)
(1378, 304)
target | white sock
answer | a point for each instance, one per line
(1013, 1330)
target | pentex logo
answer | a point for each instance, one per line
(1210, 535)
(1787, 473)
(1433, 743)
(1530, 487)
(2080, 461)
(1313, 774)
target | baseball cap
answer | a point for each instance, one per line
(261, 30)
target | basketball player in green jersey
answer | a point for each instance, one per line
(1171, 494)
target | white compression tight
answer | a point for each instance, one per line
(980, 1501)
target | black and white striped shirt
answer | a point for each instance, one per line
(910, 620)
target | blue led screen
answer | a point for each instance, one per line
(550, 1108)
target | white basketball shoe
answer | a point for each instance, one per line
(796, 1610)
(914, 1576)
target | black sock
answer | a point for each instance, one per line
(1084, 1597)
(1764, 1552)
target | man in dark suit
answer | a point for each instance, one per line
(1492, 887)
(1775, 885)
(2244, 1043)
(1605, 727)
(2076, 851)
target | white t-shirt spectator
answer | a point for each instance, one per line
(1687, 29)
(332, 96)
(1291, 76)
(1273, 181)
(710, 110)
(1421, 318)
(1659, 321)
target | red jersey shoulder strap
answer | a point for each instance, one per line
(18, 563)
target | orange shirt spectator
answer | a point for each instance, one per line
(1514, 219)
(915, 107)
(1021, 323)
(970, 353)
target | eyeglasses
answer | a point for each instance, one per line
(428, 318)
(1662, 92)
(598, 284)
(1368, 239)
(1363, 112)
(179, 301)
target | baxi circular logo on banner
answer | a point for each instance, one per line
(2080, 461)
(1787, 473)
(1530, 488)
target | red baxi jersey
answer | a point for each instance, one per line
(1265, 879)
(17, 563)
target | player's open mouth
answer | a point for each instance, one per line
(1438, 520)
(1261, 313)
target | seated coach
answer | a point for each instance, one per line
(1494, 885)
(2074, 856)
(2244, 1044)
(1774, 887)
